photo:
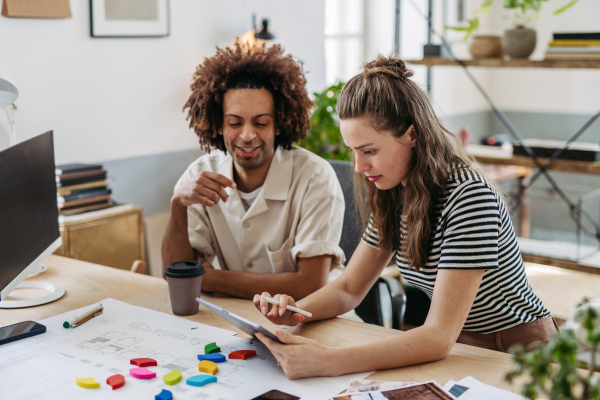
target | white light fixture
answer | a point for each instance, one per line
(8, 95)
(8, 91)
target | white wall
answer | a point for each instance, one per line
(110, 99)
(573, 91)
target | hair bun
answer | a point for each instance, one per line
(388, 65)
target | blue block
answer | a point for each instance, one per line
(214, 357)
(164, 395)
(200, 380)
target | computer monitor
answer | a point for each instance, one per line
(28, 217)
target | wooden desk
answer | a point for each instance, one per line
(560, 289)
(87, 283)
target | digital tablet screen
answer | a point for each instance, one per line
(245, 325)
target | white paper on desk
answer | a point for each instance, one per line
(480, 391)
(118, 316)
(366, 385)
(52, 376)
(106, 345)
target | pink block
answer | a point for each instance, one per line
(142, 373)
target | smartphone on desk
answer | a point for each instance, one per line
(20, 330)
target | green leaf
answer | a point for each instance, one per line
(565, 7)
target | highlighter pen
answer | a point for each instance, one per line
(294, 309)
(86, 315)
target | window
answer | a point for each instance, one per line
(344, 27)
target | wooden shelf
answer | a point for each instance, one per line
(590, 266)
(508, 63)
(495, 155)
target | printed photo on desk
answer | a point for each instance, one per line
(421, 391)
(129, 18)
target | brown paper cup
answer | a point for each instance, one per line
(185, 283)
(183, 293)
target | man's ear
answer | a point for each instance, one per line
(277, 132)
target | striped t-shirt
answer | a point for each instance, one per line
(474, 231)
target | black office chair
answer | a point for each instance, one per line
(386, 292)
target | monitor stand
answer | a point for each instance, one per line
(56, 292)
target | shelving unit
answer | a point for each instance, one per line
(494, 155)
(508, 63)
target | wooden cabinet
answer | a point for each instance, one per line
(113, 237)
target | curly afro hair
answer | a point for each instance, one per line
(249, 67)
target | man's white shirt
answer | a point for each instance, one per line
(297, 213)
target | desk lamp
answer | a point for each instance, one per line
(264, 33)
(8, 95)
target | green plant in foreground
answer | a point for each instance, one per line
(525, 12)
(552, 370)
(324, 137)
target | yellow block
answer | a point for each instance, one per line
(207, 366)
(172, 377)
(88, 383)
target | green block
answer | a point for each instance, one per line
(172, 377)
(211, 348)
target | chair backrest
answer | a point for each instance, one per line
(352, 229)
(385, 294)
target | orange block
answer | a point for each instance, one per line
(242, 354)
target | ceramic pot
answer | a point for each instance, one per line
(486, 46)
(519, 42)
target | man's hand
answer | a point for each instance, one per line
(207, 188)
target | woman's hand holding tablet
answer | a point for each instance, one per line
(278, 314)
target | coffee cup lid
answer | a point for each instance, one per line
(184, 269)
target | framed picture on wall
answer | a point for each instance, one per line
(129, 18)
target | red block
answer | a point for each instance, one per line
(116, 381)
(144, 362)
(242, 354)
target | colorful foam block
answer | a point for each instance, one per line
(207, 366)
(211, 348)
(116, 381)
(215, 357)
(172, 377)
(242, 354)
(164, 395)
(144, 362)
(142, 373)
(200, 380)
(88, 383)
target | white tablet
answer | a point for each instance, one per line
(245, 325)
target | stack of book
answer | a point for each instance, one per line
(574, 46)
(81, 188)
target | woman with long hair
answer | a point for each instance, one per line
(446, 224)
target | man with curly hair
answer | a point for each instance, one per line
(271, 213)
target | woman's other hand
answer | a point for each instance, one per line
(300, 357)
(279, 315)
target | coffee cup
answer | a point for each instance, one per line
(185, 282)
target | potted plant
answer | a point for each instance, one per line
(552, 370)
(518, 42)
(324, 137)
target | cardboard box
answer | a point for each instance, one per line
(36, 8)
